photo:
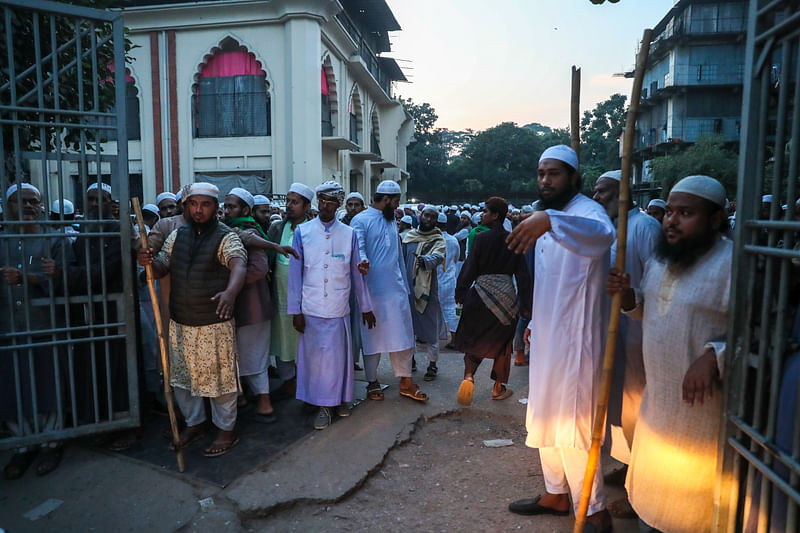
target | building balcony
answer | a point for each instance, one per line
(688, 130)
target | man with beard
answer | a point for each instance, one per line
(284, 337)
(379, 250)
(683, 304)
(424, 249)
(628, 382)
(253, 308)
(23, 279)
(573, 237)
(261, 212)
(167, 205)
(490, 310)
(354, 204)
(320, 284)
(207, 262)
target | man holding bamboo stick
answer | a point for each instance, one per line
(573, 236)
(682, 302)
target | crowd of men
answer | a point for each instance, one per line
(307, 292)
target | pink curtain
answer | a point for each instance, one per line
(231, 64)
(324, 82)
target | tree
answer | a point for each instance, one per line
(707, 156)
(427, 156)
(600, 131)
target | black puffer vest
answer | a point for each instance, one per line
(196, 275)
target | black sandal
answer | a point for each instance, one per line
(430, 374)
(49, 459)
(18, 464)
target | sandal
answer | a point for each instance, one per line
(430, 374)
(465, 392)
(49, 459)
(188, 436)
(415, 394)
(505, 392)
(219, 448)
(18, 464)
(374, 391)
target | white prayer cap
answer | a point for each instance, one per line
(702, 186)
(473, 206)
(332, 189)
(260, 199)
(388, 187)
(527, 209)
(784, 206)
(615, 175)
(442, 218)
(430, 208)
(166, 195)
(657, 202)
(406, 219)
(563, 153)
(152, 208)
(242, 194)
(482, 204)
(69, 208)
(766, 199)
(105, 186)
(202, 188)
(465, 206)
(11, 190)
(797, 202)
(355, 195)
(303, 190)
(515, 210)
(465, 214)
(476, 218)
(275, 217)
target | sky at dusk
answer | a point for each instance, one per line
(483, 62)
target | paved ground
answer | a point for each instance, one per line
(394, 465)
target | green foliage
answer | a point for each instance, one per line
(707, 156)
(600, 131)
(427, 155)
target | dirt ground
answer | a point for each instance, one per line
(443, 480)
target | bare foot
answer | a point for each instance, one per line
(559, 502)
(264, 405)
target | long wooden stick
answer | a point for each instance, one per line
(575, 111)
(616, 304)
(151, 284)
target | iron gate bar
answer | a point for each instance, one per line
(778, 454)
(765, 470)
(88, 117)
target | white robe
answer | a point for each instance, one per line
(568, 326)
(447, 274)
(675, 446)
(379, 242)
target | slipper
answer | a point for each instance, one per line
(414, 394)
(374, 391)
(216, 449)
(531, 507)
(18, 464)
(430, 374)
(465, 392)
(49, 459)
(521, 363)
(187, 437)
(264, 418)
(503, 395)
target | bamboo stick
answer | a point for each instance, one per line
(575, 111)
(151, 284)
(616, 304)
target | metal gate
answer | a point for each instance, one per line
(760, 473)
(68, 364)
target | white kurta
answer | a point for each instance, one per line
(447, 274)
(379, 242)
(675, 445)
(570, 314)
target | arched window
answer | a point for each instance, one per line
(375, 133)
(329, 101)
(355, 117)
(231, 97)
(132, 119)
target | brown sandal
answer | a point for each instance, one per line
(414, 394)
(374, 391)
